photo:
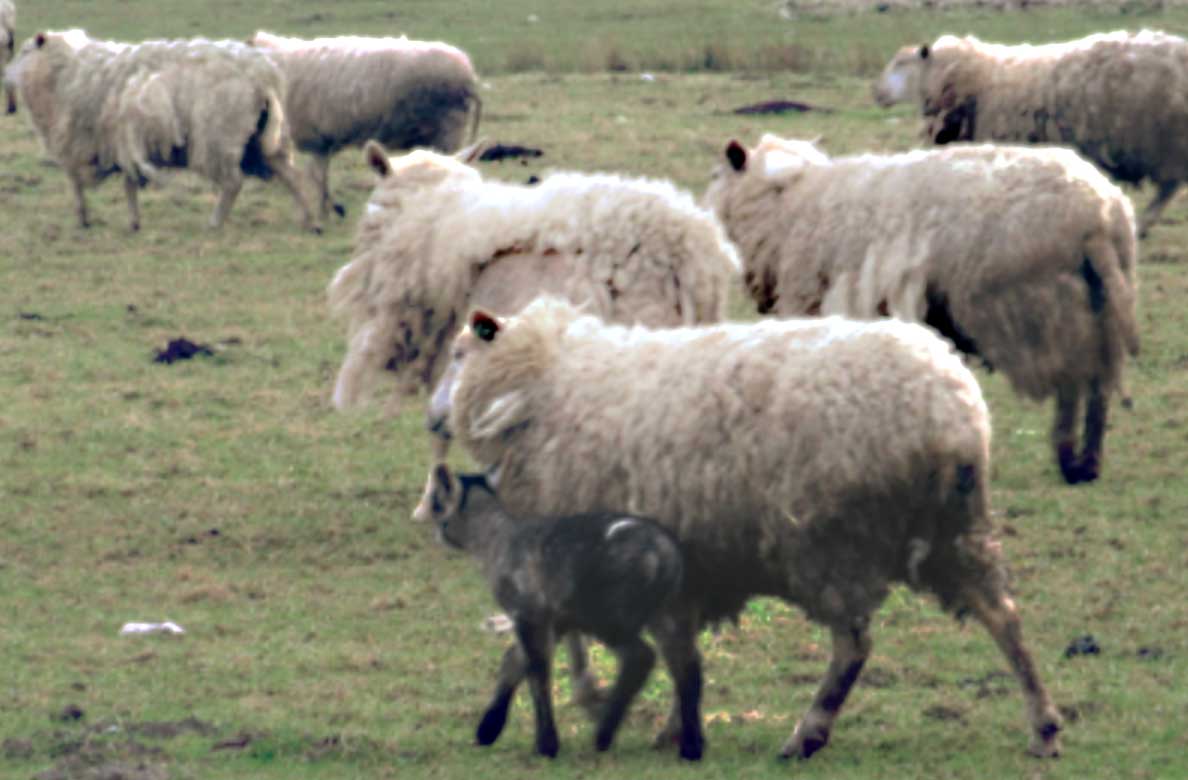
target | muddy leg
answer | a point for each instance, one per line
(12, 104)
(851, 647)
(291, 177)
(998, 613)
(1096, 412)
(227, 198)
(1064, 432)
(80, 201)
(537, 644)
(587, 694)
(511, 673)
(318, 172)
(440, 447)
(131, 189)
(1163, 195)
(677, 637)
(636, 660)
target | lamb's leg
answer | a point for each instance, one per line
(1165, 191)
(1096, 411)
(131, 189)
(851, 647)
(587, 693)
(227, 197)
(291, 177)
(677, 637)
(636, 660)
(1000, 616)
(537, 644)
(511, 673)
(80, 201)
(1064, 431)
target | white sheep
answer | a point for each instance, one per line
(1116, 97)
(346, 90)
(438, 240)
(816, 460)
(1023, 256)
(213, 107)
(7, 46)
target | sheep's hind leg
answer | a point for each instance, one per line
(677, 637)
(1000, 616)
(292, 178)
(851, 647)
(319, 174)
(1064, 432)
(1164, 193)
(537, 644)
(511, 674)
(1096, 411)
(227, 198)
(636, 660)
(131, 188)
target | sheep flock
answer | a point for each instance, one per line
(647, 462)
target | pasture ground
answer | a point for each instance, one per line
(327, 635)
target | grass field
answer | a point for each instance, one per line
(328, 636)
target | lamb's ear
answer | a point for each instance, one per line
(484, 325)
(39, 40)
(737, 155)
(377, 158)
(472, 153)
(924, 52)
(443, 495)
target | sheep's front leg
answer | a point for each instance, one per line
(80, 200)
(511, 673)
(131, 189)
(11, 95)
(1164, 193)
(537, 644)
(1096, 411)
(440, 447)
(319, 174)
(677, 637)
(636, 660)
(1000, 616)
(851, 647)
(227, 198)
(1064, 432)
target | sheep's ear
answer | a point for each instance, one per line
(924, 52)
(472, 153)
(484, 325)
(736, 155)
(39, 40)
(377, 158)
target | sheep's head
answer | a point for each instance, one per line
(464, 508)
(750, 174)
(415, 171)
(900, 80)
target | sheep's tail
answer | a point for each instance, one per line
(478, 113)
(1112, 294)
(272, 134)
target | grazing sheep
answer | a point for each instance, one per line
(348, 90)
(7, 46)
(438, 240)
(607, 575)
(1115, 97)
(101, 108)
(1023, 256)
(816, 460)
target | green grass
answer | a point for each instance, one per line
(328, 636)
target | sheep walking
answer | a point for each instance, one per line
(213, 107)
(606, 575)
(1022, 256)
(7, 46)
(816, 460)
(347, 90)
(1116, 97)
(438, 240)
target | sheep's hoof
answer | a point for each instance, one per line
(667, 737)
(805, 742)
(1045, 742)
(588, 695)
(423, 513)
(340, 209)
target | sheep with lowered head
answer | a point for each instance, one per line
(438, 240)
(1022, 256)
(607, 575)
(212, 107)
(1116, 97)
(7, 46)
(816, 460)
(345, 91)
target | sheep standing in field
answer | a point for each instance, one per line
(348, 90)
(816, 460)
(1022, 256)
(7, 46)
(607, 575)
(438, 240)
(101, 108)
(1118, 98)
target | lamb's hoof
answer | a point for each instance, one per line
(691, 749)
(340, 209)
(805, 742)
(491, 726)
(547, 744)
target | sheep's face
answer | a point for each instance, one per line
(756, 174)
(900, 80)
(483, 329)
(463, 508)
(414, 172)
